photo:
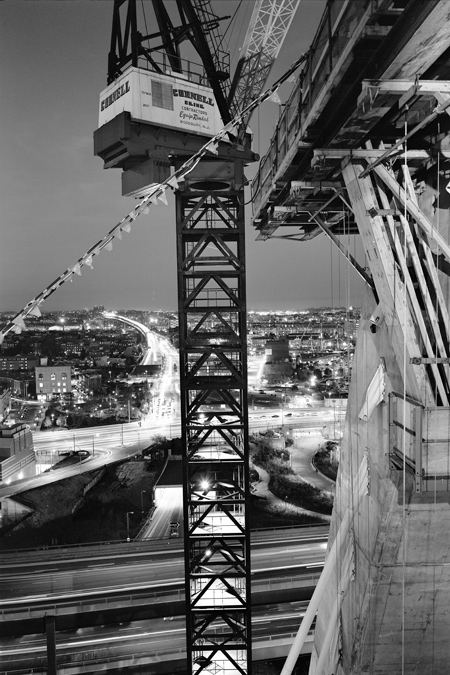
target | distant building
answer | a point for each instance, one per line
(17, 458)
(72, 347)
(277, 351)
(277, 368)
(91, 381)
(5, 400)
(53, 380)
(18, 363)
(336, 401)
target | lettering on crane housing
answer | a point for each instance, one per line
(117, 93)
(195, 97)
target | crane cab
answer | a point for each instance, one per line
(146, 116)
(166, 101)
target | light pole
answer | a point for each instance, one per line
(79, 453)
(142, 501)
(128, 524)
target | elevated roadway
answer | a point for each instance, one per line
(152, 354)
(111, 443)
(150, 647)
(138, 588)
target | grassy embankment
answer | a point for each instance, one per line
(284, 483)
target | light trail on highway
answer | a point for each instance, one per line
(280, 560)
(120, 441)
(69, 577)
(164, 637)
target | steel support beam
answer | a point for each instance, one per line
(214, 413)
(50, 622)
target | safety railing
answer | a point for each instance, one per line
(341, 20)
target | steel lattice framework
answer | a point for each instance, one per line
(269, 23)
(213, 383)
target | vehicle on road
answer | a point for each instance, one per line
(174, 529)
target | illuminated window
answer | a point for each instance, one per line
(53, 376)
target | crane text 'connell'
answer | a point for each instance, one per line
(195, 97)
(117, 93)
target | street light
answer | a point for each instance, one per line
(79, 451)
(129, 513)
(142, 501)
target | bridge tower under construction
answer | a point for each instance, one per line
(361, 149)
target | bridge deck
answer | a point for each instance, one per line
(337, 104)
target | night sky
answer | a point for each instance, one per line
(57, 200)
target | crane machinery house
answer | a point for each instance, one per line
(163, 100)
(133, 111)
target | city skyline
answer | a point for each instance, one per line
(58, 201)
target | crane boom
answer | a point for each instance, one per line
(269, 24)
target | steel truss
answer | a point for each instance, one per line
(214, 414)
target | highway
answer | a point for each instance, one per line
(129, 603)
(70, 571)
(162, 639)
(85, 581)
(169, 508)
(110, 443)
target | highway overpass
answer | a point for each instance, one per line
(124, 604)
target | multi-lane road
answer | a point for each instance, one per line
(149, 577)
(146, 579)
(164, 640)
(79, 570)
(114, 442)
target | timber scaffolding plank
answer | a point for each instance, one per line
(340, 100)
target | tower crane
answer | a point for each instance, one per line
(211, 281)
(155, 116)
